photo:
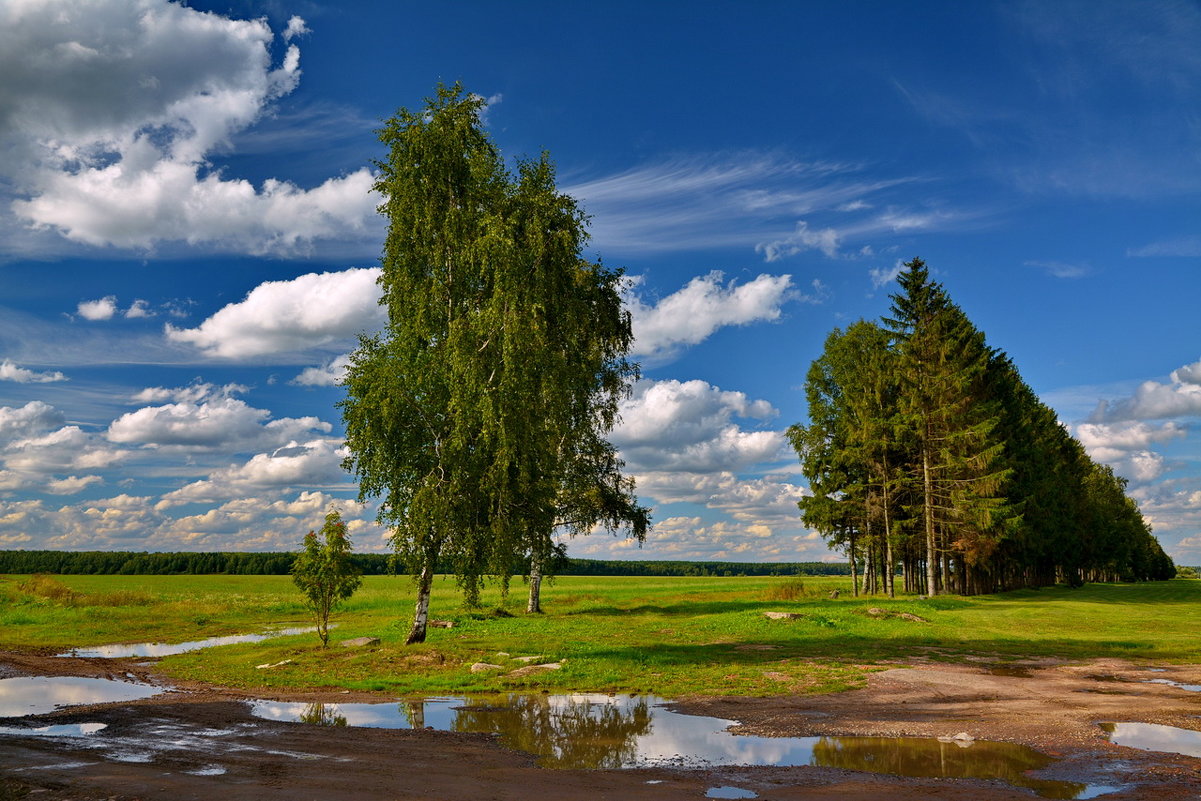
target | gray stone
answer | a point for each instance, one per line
(529, 669)
(360, 642)
(783, 615)
(442, 624)
(527, 659)
(484, 667)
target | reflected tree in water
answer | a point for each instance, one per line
(917, 756)
(564, 732)
(323, 715)
(414, 713)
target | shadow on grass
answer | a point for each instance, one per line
(855, 648)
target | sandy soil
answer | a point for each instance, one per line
(207, 746)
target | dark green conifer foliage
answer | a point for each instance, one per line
(926, 448)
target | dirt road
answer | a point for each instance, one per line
(201, 742)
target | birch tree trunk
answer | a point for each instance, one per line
(534, 607)
(422, 614)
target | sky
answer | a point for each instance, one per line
(189, 239)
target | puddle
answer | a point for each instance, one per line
(40, 695)
(1155, 737)
(729, 792)
(61, 730)
(1192, 688)
(606, 732)
(141, 649)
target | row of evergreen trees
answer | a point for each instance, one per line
(927, 451)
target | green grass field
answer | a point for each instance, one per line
(669, 636)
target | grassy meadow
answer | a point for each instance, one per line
(669, 636)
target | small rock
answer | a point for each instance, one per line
(502, 654)
(442, 624)
(484, 667)
(528, 669)
(876, 611)
(909, 616)
(360, 642)
(783, 615)
(527, 659)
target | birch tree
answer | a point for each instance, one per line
(503, 356)
(324, 572)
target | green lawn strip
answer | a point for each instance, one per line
(669, 636)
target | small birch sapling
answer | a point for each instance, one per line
(325, 573)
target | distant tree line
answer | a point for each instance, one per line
(929, 457)
(370, 564)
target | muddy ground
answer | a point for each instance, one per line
(200, 742)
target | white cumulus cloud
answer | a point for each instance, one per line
(329, 374)
(25, 421)
(110, 111)
(212, 423)
(1155, 400)
(690, 426)
(706, 303)
(310, 311)
(101, 309)
(317, 462)
(10, 371)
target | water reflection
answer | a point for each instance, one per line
(577, 732)
(1192, 688)
(38, 695)
(322, 715)
(932, 758)
(1155, 737)
(59, 730)
(599, 731)
(127, 650)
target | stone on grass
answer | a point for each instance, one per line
(530, 669)
(442, 624)
(527, 659)
(783, 615)
(360, 642)
(484, 667)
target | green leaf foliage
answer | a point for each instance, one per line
(325, 573)
(479, 416)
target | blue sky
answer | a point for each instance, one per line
(188, 241)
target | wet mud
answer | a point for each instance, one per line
(201, 742)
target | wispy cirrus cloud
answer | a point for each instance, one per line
(778, 205)
(1052, 129)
